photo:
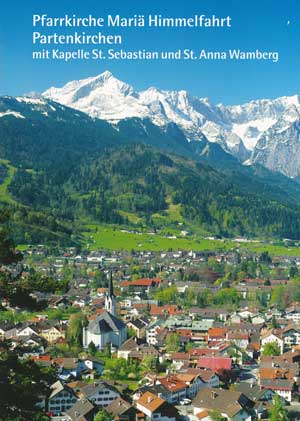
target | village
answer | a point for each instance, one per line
(165, 336)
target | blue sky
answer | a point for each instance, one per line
(258, 24)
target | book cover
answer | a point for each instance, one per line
(150, 210)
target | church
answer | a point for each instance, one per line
(106, 328)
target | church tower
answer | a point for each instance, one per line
(110, 299)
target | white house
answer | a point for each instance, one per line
(234, 406)
(271, 337)
(61, 398)
(156, 408)
(291, 336)
(99, 393)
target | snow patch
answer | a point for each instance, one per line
(13, 113)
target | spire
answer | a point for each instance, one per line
(110, 299)
(110, 286)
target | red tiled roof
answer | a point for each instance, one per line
(217, 332)
(196, 352)
(215, 363)
(144, 282)
(38, 358)
(180, 356)
(166, 309)
(172, 383)
(150, 401)
(275, 373)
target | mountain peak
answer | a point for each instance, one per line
(106, 75)
(236, 128)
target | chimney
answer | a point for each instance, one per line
(213, 394)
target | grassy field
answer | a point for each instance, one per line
(4, 193)
(107, 237)
(273, 249)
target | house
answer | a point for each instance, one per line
(262, 398)
(89, 366)
(176, 389)
(291, 336)
(128, 346)
(156, 409)
(208, 377)
(215, 363)
(27, 331)
(106, 328)
(141, 284)
(138, 349)
(32, 343)
(217, 333)
(209, 314)
(82, 410)
(271, 337)
(293, 314)
(99, 393)
(283, 387)
(121, 410)
(193, 383)
(179, 359)
(52, 334)
(61, 399)
(5, 328)
(138, 326)
(68, 368)
(165, 310)
(239, 339)
(279, 375)
(152, 332)
(234, 406)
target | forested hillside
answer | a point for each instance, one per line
(60, 170)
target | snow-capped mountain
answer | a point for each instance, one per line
(255, 132)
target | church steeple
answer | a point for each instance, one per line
(110, 299)
(110, 285)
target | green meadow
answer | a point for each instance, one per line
(107, 237)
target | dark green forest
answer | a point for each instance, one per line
(60, 169)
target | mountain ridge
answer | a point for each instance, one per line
(238, 129)
(62, 168)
